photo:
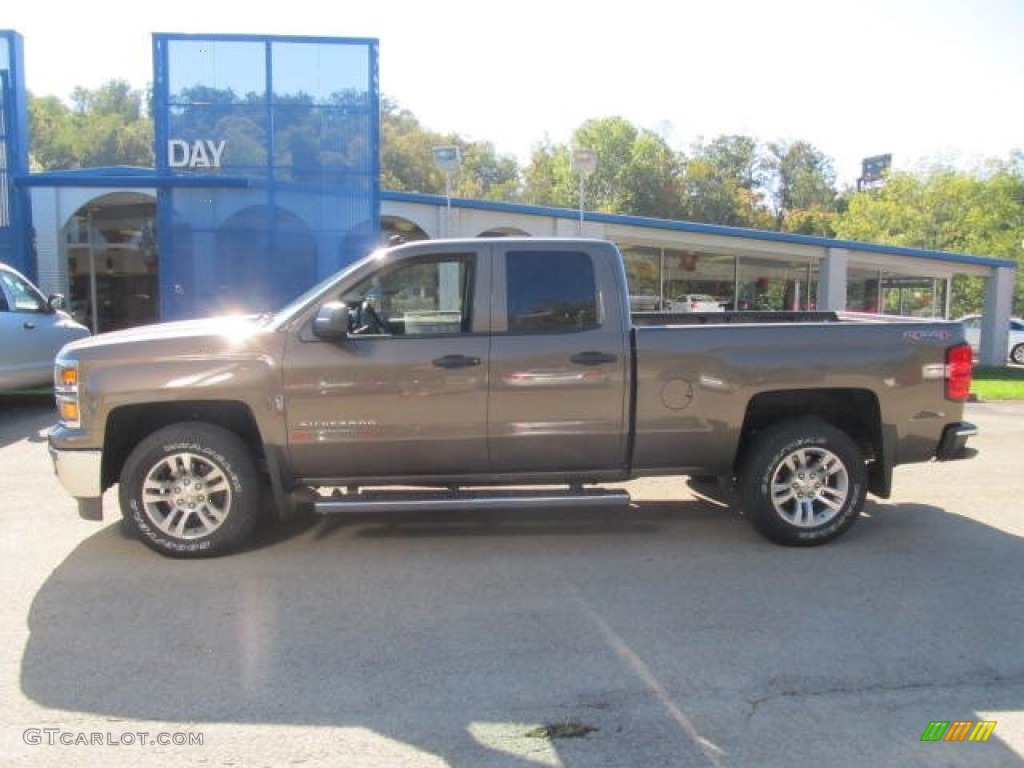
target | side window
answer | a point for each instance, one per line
(428, 296)
(20, 296)
(551, 292)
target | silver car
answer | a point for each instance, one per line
(33, 328)
(1014, 341)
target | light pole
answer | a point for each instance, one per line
(448, 160)
(583, 162)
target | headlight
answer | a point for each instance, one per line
(65, 389)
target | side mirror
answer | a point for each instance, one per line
(57, 301)
(332, 321)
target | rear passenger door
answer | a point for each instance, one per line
(559, 362)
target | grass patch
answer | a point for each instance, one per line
(998, 383)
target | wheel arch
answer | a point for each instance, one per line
(855, 412)
(128, 425)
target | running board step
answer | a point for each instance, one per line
(405, 501)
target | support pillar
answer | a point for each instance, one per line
(995, 320)
(832, 280)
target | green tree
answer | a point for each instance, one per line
(724, 182)
(548, 179)
(52, 133)
(978, 213)
(804, 188)
(637, 172)
(407, 163)
(407, 160)
(106, 126)
(485, 174)
(116, 97)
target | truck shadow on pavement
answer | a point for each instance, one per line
(668, 632)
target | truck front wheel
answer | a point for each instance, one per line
(190, 490)
(803, 483)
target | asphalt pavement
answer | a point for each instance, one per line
(664, 634)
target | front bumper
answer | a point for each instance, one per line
(79, 473)
(953, 444)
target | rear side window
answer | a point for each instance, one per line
(550, 292)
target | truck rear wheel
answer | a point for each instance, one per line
(190, 490)
(803, 483)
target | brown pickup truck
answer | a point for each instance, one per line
(497, 373)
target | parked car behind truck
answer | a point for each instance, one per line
(33, 328)
(1014, 339)
(461, 367)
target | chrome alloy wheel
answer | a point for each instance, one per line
(186, 495)
(809, 487)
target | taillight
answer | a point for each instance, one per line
(958, 372)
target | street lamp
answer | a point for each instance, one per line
(583, 162)
(448, 160)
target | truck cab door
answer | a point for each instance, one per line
(559, 361)
(405, 400)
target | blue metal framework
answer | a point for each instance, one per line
(15, 216)
(267, 165)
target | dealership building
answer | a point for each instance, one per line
(267, 180)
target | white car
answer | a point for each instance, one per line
(695, 302)
(33, 328)
(644, 303)
(1015, 341)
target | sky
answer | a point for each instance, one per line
(924, 80)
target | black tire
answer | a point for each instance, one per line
(204, 492)
(803, 483)
(1017, 354)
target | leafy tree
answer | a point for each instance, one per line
(485, 174)
(52, 132)
(947, 210)
(637, 172)
(105, 126)
(548, 178)
(804, 187)
(407, 160)
(115, 97)
(737, 158)
(608, 188)
(407, 163)
(724, 183)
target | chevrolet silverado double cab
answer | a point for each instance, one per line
(497, 373)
